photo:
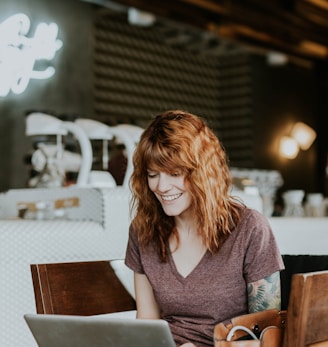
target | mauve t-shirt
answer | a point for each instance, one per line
(216, 289)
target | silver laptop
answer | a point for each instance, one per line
(103, 331)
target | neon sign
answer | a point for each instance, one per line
(19, 53)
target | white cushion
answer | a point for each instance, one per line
(124, 274)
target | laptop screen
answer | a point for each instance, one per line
(98, 331)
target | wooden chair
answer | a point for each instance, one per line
(307, 315)
(80, 288)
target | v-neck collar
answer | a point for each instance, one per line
(175, 271)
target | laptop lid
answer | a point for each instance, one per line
(93, 331)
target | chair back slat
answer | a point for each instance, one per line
(307, 317)
(80, 288)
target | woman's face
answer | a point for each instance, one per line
(171, 191)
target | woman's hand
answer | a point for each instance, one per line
(188, 344)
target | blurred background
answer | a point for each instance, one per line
(251, 69)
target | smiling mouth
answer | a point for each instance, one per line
(171, 197)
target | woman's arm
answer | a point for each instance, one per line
(264, 294)
(147, 307)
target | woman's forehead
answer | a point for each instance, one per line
(158, 167)
(161, 160)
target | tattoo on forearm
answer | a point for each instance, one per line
(264, 294)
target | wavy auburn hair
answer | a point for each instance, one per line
(178, 141)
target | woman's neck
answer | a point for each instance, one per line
(186, 225)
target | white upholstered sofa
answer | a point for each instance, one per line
(96, 229)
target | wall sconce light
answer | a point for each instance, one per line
(288, 147)
(302, 136)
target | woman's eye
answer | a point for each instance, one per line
(151, 174)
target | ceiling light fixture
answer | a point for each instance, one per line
(276, 58)
(140, 18)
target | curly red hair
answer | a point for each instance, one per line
(180, 141)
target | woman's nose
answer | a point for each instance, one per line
(163, 183)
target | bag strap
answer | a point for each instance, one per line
(270, 337)
(240, 327)
(257, 321)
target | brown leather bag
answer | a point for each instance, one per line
(262, 329)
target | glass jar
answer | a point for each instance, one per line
(293, 200)
(314, 206)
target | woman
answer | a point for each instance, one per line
(199, 255)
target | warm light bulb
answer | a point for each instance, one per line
(288, 147)
(304, 135)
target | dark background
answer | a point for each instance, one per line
(281, 96)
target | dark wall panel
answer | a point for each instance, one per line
(69, 91)
(115, 72)
(284, 95)
(138, 74)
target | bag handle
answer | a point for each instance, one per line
(240, 327)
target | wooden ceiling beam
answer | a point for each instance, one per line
(281, 25)
(322, 4)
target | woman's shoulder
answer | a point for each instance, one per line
(251, 215)
(133, 233)
(253, 223)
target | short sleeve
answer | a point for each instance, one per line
(262, 257)
(132, 256)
